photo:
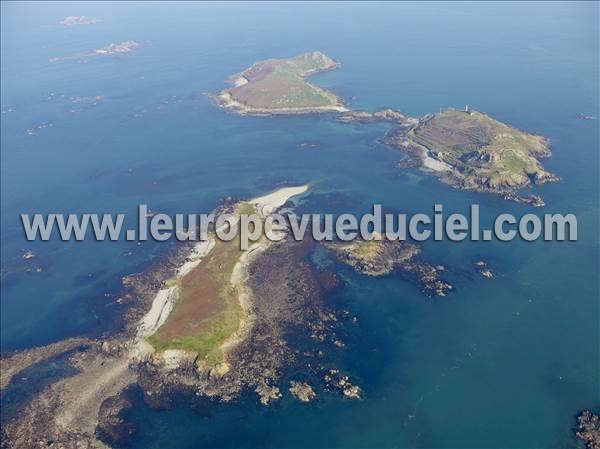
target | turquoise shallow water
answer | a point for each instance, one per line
(506, 363)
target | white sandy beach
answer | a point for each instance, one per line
(161, 308)
(432, 163)
(267, 204)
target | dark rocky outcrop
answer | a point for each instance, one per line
(113, 427)
(381, 256)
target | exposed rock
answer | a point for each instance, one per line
(172, 359)
(267, 393)
(352, 392)
(113, 428)
(302, 391)
(341, 383)
(588, 429)
(65, 414)
(339, 343)
(472, 151)
(220, 370)
(484, 269)
(532, 200)
(380, 256)
(374, 257)
(116, 49)
(71, 21)
(383, 115)
(19, 361)
(429, 278)
(486, 273)
(390, 115)
(356, 116)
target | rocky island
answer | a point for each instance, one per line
(118, 49)
(380, 256)
(467, 149)
(279, 86)
(123, 48)
(71, 21)
(471, 150)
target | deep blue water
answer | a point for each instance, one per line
(506, 363)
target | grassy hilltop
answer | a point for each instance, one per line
(485, 152)
(279, 85)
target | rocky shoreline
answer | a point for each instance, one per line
(380, 256)
(291, 330)
(417, 157)
(225, 101)
(420, 156)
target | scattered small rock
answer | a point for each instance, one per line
(307, 145)
(267, 393)
(484, 269)
(302, 391)
(339, 343)
(352, 392)
(487, 274)
(341, 383)
(588, 429)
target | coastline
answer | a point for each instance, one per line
(297, 71)
(225, 101)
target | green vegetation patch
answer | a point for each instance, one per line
(208, 311)
(476, 145)
(280, 83)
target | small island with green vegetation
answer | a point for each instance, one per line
(279, 86)
(471, 150)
